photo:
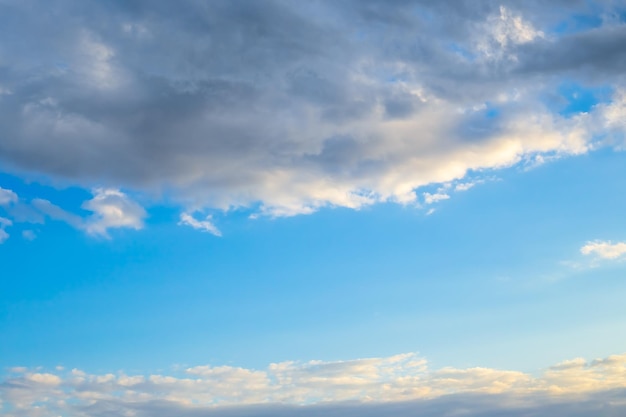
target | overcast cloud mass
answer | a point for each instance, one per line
(287, 106)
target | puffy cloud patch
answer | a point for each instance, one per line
(111, 209)
(292, 107)
(394, 386)
(4, 222)
(604, 249)
(7, 197)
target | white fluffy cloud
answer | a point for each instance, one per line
(112, 209)
(290, 108)
(375, 386)
(604, 249)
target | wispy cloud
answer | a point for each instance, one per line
(205, 225)
(111, 209)
(29, 234)
(4, 222)
(9, 201)
(464, 186)
(436, 197)
(57, 213)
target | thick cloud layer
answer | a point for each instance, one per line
(294, 106)
(400, 385)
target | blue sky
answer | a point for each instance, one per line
(279, 204)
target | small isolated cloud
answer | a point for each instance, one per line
(112, 209)
(7, 197)
(3, 236)
(604, 249)
(205, 225)
(29, 235)
(436, 197)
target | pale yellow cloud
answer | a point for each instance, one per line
(405, 377)
(604, 249)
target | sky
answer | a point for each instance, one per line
(323, 208)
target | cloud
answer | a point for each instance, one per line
(468, 405)
(57, 213)
(604, 249)
(399, 385)
(436, 197)
(464, 186)
(4, 222)
(7, 197)
(504, 29)
(111, 209)
(205, 225)
(291, 108)
(29, 235)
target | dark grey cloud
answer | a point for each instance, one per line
(594, 53)
(229, 103)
